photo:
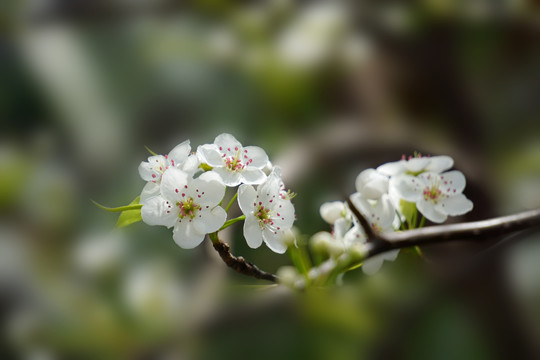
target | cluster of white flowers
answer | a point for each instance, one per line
(390, 196)
(184, 191)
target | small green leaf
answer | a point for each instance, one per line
(150, 151)
(134, 205)
(130, 216)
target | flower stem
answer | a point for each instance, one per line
(422, 221)
(231, 202)
(214, 237)
(414, 219)
(230, 222)
(300, 258)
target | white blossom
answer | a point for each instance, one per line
(417, 165)
(436, 195)
(333, 211)
(189, 205)
(268, 214)
(234, 163)
(371, 184)
(153, 169)
(380, 215)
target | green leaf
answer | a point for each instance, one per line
(131, 216)
(150, 151)
(134, 205)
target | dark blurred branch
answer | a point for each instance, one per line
(239, 263)
(381, 242)
(478, 230)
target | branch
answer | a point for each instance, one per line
(239, 263)
(379, 242)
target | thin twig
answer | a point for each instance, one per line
(239, 263)
(478, 230)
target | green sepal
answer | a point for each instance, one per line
(131, 216)
(205, 167)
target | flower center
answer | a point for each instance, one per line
(187, 208)
(433, 193)
(263, 214)
(234, 163)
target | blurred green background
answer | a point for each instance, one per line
(327, 89)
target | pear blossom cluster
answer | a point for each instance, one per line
(391, 198)
(185, 191)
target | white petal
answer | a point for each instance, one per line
(252, 232)
(207, 190)
(362, 204)
(407, 187)
(354, 235)
(228, 177)
(186, 235)
(331, 211)
(391, 255)
(416, 165)
(455, 205)
(284, 216)
(268, 168)
(379, 213)
(385, 212)
(452, 182)
(270, 189)
(363, 178)
(146, 171)
(371, 184)
(393, 168)
(227, 144)
(149, 190)
(173, 184)
(274, 240)
(191, 165)
(439, 164)
(210, 155)
(208, 221)
(341, 227)
(427, 208)
(252, 176)
(158, 211)
(254, 156)
(180, 152)
(246, 198)
(372, 265)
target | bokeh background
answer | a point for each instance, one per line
(328, 89)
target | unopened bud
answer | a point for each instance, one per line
(358, 251)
